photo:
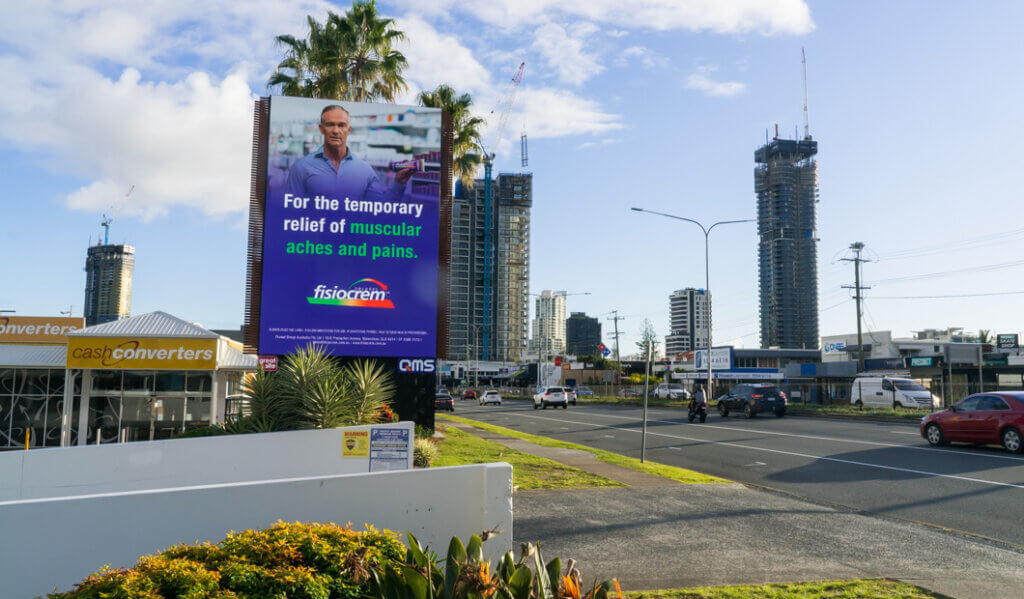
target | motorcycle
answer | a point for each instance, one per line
(698, 411)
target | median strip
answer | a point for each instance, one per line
(646, 470)
(871, 588)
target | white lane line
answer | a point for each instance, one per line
(837, 439)
(794, 453)
(905, 433)
(609, 436)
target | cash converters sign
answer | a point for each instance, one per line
(142, 353)
(38, 329)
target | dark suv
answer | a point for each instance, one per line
(752, 399)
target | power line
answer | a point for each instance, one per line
(889, 297)
(946, 273)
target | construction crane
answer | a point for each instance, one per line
(504, 109)
(107, 219)
(807, 120)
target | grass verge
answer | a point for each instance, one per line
(678, 474)
(528, 471)
(632, 401)
(846, 411)
(872, 588)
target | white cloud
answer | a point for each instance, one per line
(553, 112)
(436, 58)
(563, 51)
(701, 81)
(596, 144)
(647, 57)
(159, 94)
(768, 17)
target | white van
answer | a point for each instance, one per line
(891, 392)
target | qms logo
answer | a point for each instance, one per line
(425, 365)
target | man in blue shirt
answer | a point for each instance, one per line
(333, 172)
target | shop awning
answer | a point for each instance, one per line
(22, 355)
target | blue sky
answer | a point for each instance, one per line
(657, 103)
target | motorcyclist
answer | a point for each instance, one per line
(699, 399)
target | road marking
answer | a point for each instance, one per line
(609, 436)
(905, 433)
(795, 453)
(755, 464)
(836, 439)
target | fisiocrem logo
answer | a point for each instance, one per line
(364, 293)
(130, 350)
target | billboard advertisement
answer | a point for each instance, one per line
(721, 358)
(350, 237)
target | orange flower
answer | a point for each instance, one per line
(572, 590)
(618, 589)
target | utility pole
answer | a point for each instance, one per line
(857, 247)
(618, 362)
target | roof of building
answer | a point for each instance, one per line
(24, 355)
(153, 324)
(232, 359)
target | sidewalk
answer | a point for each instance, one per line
(658, 534)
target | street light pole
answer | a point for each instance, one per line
(707, 275)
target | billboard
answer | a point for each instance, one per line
(1007, 341)
(721, 358)
(350, 228)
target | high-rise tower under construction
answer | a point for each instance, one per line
(786, 183)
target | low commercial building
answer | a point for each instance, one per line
(146, 377)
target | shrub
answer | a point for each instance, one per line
(424, 452)
(466, 575)
(312, 561)
(214, 430)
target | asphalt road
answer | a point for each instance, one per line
(883, 469)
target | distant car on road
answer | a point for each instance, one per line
(490, 396)
(671, 391)
(983, 418)
(550, 396)
(628, 393)
(444, 401)
(753, 399)
(571, 395)
(469, 394)
(584, 391)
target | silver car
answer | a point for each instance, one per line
(551, 396)
(490, 396)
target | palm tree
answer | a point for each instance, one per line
(466, 127)
(348, 57)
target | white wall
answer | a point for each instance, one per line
(84, 470)
(56, 542)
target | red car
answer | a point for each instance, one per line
(984, 418)
(469, 394)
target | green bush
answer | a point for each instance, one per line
(308, 561)
(424, 452)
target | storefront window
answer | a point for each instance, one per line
(138, 383)
(199, 382)
(31, 400)
(170, 381)
(106, 380)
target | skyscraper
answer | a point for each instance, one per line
(689, 310)
(582, 335)
(506, 315)
(549, 323)
(108, 283)
(786, 184)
